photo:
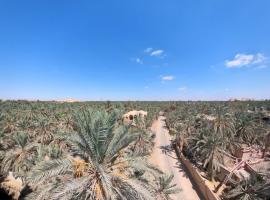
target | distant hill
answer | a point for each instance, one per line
(69, 100)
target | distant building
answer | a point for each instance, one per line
(131, 116)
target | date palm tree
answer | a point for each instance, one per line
(94, 170)
(144, 140)
(207, 148)
(18, 158)
(244, 127)
(44, 133)
(223, 126)
(166, 188)
(255, 188)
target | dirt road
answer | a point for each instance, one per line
(167, 161)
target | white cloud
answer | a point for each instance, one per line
(260, 59)
(240, 60)
(138, 60)
(154, 52)
(157, 52)
(148, 50)
(182, 88)
(243, 60)
(167, 78)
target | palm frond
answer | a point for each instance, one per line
(46, 170)
(70, 189)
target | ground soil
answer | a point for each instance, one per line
(165, 158)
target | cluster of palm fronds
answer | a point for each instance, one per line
(51, 150)
(207, 131)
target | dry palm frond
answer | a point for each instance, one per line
(13, 186)
(79, 166)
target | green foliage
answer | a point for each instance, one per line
(42, 141)
(206, 131)
(97, 142)
(18, 159)
(166, 187)
(256, 188)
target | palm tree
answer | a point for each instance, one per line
(182, 131)
(207, 148)
(9, 123)
(166, 187)
(47, 152)
(253, 189)
(244, 127)
(94, 169)
(223, 126)
(44, 132)
(144, 141)
(18, 158)
(266, 145)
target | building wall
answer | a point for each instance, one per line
(199, 181)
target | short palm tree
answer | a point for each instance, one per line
(9, 123)
(18, 158)
(144, 142)
(253, 189)
(47, 152)
(94, 169)
(166, 187)
(44, 133)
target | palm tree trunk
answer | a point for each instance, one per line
(266, 144)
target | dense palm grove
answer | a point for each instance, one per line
(207, 132)
(83, 150)
(77, 151)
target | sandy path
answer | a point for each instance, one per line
(169, 163)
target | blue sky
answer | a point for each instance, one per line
(134, 50)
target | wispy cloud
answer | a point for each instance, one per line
(167, 78)
(154, 52)
(157, 52)
(182, 89)
(148, 50)
(244, 60)
(139, 61)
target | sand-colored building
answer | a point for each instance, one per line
(131, 116)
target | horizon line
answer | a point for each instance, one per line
(124, 100)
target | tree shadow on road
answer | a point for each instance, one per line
(168, 151)
(182, 169)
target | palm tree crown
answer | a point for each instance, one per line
(94, 163)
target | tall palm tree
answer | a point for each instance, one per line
(94, 169)
(266, 145)
(207, 148)
(244, 127)
(223, 126)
